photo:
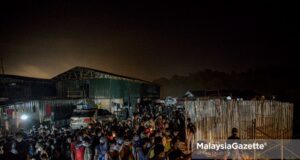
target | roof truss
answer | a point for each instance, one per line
(83, 74)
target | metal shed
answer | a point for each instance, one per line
(82, 82)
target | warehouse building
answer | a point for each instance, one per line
(102, 87)
(77, 83)
(46, 99)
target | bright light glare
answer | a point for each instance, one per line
(228, 98)
(24, 117)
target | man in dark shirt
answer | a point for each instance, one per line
(233, 154)
(234, 134)
(176, 153)
(158, 152)
(21, 146)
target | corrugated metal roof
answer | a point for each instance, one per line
(16, 77)
(103, 74)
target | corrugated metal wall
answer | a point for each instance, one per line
(110, 88)
(25, 89)
(37, 108)
(214, 119)
(107, 88)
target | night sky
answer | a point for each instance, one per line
(146, 41)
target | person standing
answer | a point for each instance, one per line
(88, 151)
(72, 147)
(79, 149)
(21, 146)
(176, 153)
(101, 150)
(233, 154)
(158, 149)
(190, 134)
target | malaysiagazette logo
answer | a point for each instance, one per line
(230, 146)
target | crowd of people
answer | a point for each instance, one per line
(148, 135)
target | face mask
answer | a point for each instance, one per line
(13, 146)
(86, 144)
(135, 138)
(14, 151)
(120, 141)
(148, 145)
(19, 139)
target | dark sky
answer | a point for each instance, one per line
(146, 41)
